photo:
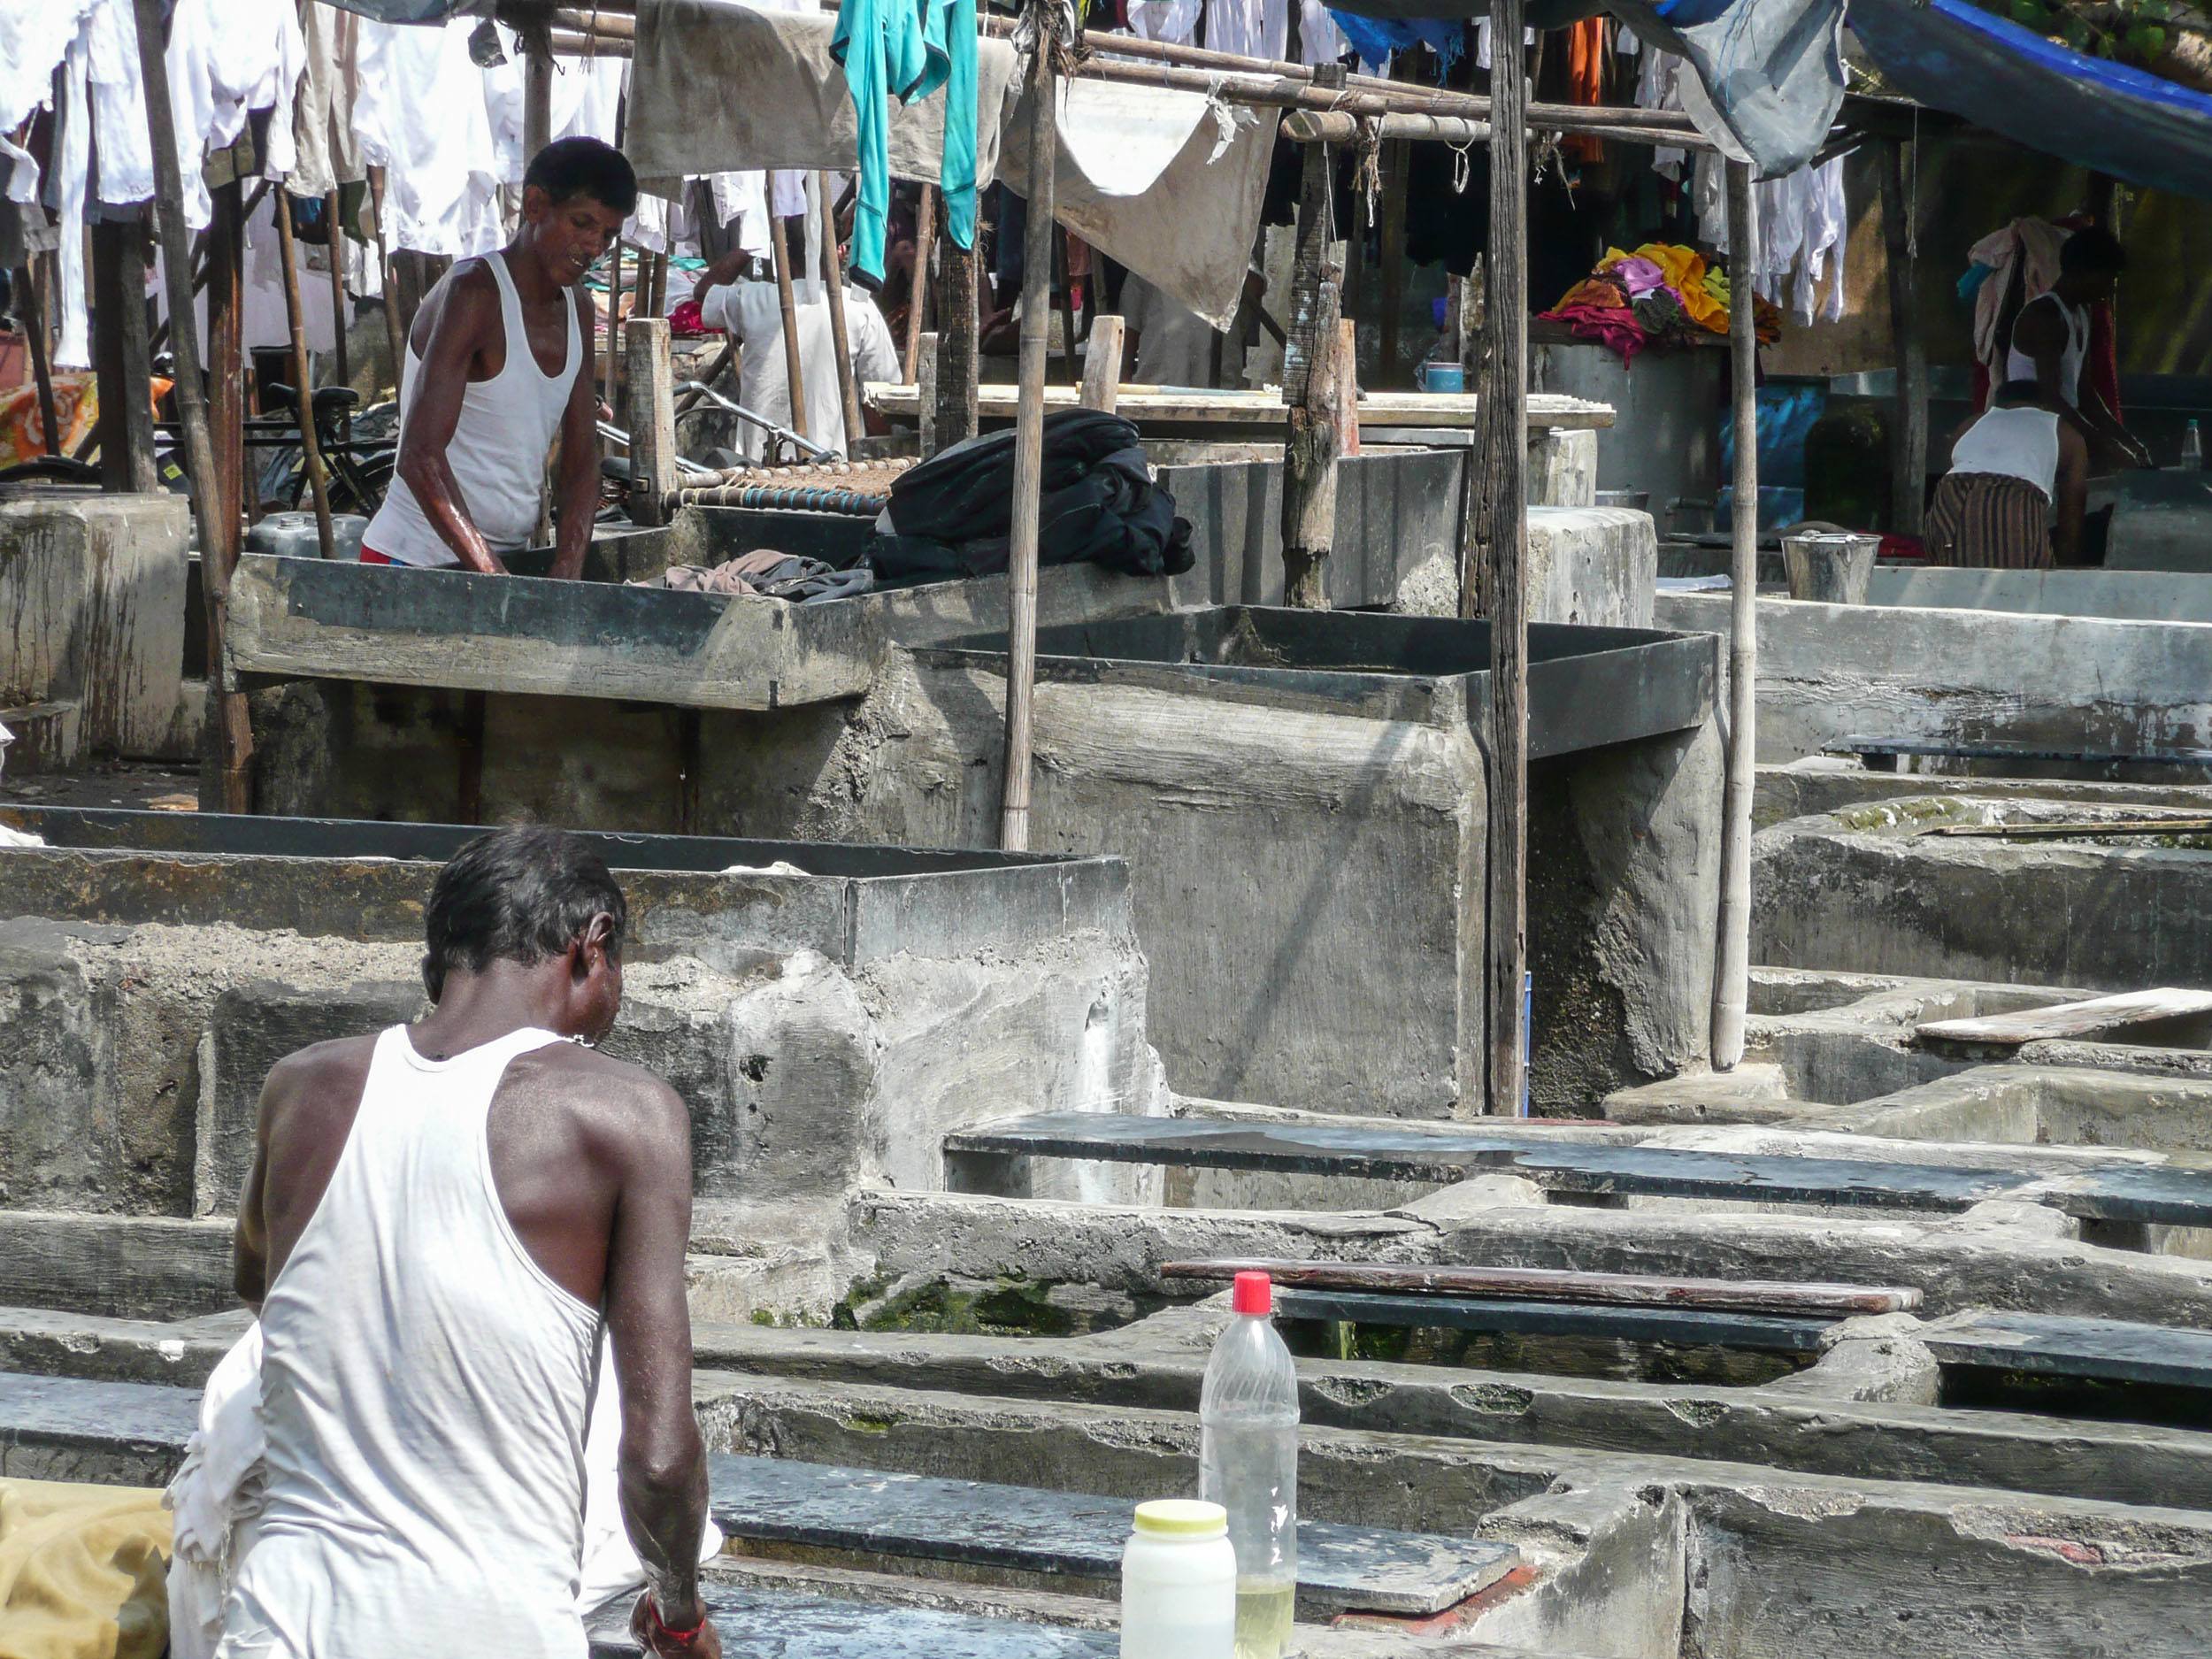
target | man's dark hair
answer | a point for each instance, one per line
(516, 896)
(2092, 252)
(571, 168)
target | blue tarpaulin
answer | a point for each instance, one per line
(1954, 55)
(408, 11)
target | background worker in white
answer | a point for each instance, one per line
(440, 1220)
(734, 296)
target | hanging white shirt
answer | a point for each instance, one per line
(1250, 28)
(751, 313)
(420, 115)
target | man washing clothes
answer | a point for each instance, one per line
(439, 1221)
(2050, 344)
(2018, 483)
(499, 359)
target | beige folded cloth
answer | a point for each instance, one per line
(82, 1571)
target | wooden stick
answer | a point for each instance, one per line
(652, 418)
(1504, 483)
(217, 530)
(1550, 1284)
(1063, 291)
(537, 95)
(925, 240)
(1029, 440)
(958, 360)
(338, 302)
(779, 243)
(303, 391)
(36, 342)
(834, 283)
(393, 331)
(925, 392)
(1390, 244)
(1312, 441)
(1908, 426)
(125, 432)
(1733, 973)
(1101, 364)
(614, 320)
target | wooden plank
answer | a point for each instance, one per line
(122, 357)
(327, 620)
(1388, 1153)
(2070, 1019)
(756, 1621)
(1263, 410)
(2155, 1194)
(1686, 1326)
(2060, 1344)
(1546, 1284)
(1311, 442)
(1063, 1533)
(650, 391)
(917, 292)
(840, 341)
(1101, 364)
(2080, 829)
(958, 416)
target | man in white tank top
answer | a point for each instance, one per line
(498, 361)
(2050, 344)
(2014, 494)
(438, 1222)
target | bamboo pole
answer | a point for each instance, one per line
(302, 389)
(338, 301)
(1908, 426)
(779, 242)
(833, 285)
(1029, 435)
(1733, 973)
(1312, 441)
(217, 530)
(125, 432)
(40, 347)
(614, 320)
(393, 333)
(537, 94)
(1504, 470)
(925, 240)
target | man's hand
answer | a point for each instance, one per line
(646, 1626)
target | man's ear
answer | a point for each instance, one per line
(534, 204)
(596, 939)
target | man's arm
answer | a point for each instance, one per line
(468, 317)
(662, 1467)
(576, 491)
(2107, 425)
(2072, 495)
(721, 274)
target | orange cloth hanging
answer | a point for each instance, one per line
(1589, 46)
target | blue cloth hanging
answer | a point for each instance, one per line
(1374, 39)
(907, 50)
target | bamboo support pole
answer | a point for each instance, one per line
(614, 320)
(302, 385)
(1732, 973)
(925, 240)
(779, 242)
(834, 290)
(1029, 438)
(218, 530)
(1312, 441)
(394, 333)
(125, 365)
(1908, 426)
(344, 353)
(40, 347)
(1503, 462)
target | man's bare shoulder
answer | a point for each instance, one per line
(469, 296)
(312, 1070)
(608, 1096)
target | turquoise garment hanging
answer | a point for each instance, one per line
(907, 50)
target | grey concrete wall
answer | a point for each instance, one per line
(2115, 595)
(1306, 882)
(92, 613)
(1827, 672)
(2120, 917)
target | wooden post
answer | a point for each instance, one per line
(344, 357)
(925, 240)
(959, 417)
(214, 503)
(1310, 366)
(834, 287)
(537, 92)
(302, 387)
(122, 357)
(1029, 437)
(1392, 235)
(1101, 364)
(393, 332)
(1908, 423)
(1063, 291)
(1503, 463)
(779, 242)
(36, 342)
(227, 353)
(1732, 971)
(652, 418)
(925, 392)
(614, 321)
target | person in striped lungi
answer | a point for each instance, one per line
(2014, 496)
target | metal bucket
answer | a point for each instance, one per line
(1830, 567)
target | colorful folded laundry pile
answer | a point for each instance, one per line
(1660, 294)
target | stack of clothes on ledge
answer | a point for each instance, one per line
(1661, 295)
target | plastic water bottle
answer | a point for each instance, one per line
(2191, 448)
(1247, 1411)
(1179, 1583)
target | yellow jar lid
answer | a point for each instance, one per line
(1181, 1517)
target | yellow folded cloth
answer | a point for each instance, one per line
(83, 1571)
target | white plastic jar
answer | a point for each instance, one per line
(1179, 1583)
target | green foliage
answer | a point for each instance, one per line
(2136, 32)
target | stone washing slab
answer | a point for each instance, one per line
(1022, 1528)
(55, 1428)
(1685, 1327)
(758, 1623)
(2055, 1345)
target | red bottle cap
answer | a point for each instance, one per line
(1254, 1293)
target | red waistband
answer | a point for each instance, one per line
(370, 555)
